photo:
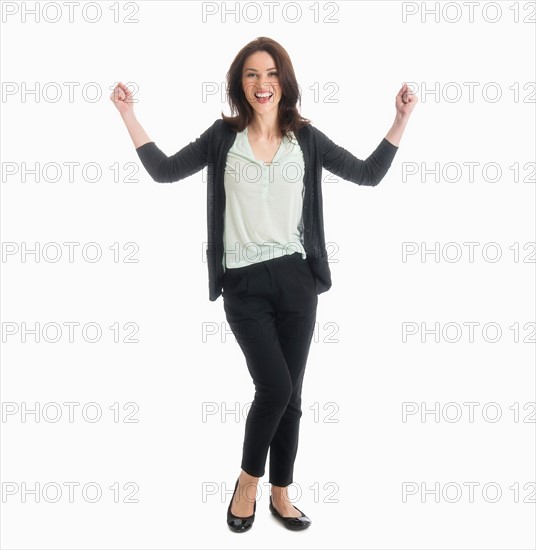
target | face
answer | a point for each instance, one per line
(260, 74)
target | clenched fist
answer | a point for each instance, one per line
(121, 97)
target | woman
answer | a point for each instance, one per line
(266, 251)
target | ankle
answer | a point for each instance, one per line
(280, 494)
(247, 487)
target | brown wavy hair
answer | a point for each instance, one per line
(241, 111)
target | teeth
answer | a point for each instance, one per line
(263, 94)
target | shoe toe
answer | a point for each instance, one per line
(301, 522)
(239, 525)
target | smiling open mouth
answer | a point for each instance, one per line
(263, 95)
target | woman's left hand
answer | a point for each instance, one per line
(405, 101)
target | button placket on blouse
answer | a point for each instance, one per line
(265, 180)
(266, 170)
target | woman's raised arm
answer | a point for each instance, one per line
(405, 102)
(122, 98)
(163, 169)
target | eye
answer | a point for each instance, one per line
(274, 73)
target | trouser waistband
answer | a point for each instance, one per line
(286, 258)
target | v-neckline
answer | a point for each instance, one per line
(253, 154)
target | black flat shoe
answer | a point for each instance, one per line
(296, 524)
(237, 523)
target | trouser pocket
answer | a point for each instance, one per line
(235, 283)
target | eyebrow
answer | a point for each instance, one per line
(251, 69)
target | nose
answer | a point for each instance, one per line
(265, 83)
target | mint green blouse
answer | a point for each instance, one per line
(263, 203)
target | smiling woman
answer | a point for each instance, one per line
(262, 87)
(266, 251)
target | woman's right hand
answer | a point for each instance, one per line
(121, 97)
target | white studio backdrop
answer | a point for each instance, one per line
(418, 427)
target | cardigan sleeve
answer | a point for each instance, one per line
(344, 164)
(189, 160)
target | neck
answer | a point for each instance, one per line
(265, 126)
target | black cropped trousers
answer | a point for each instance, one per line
(271, 309)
